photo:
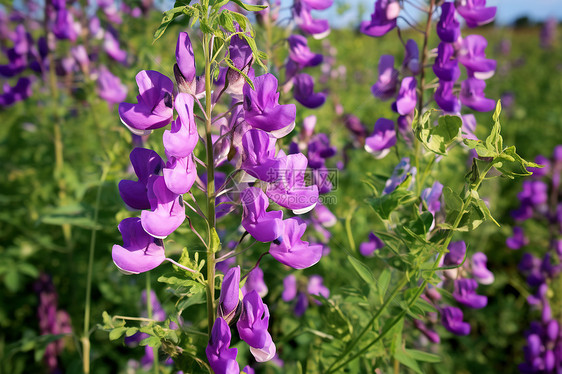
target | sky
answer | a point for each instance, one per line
(508, 10)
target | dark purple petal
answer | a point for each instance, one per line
(448, 27)
(475, 12)
(304, 92)
(300, 53)
(383, 18)
(263, 226)
(385, 88)
(382, 139)
(221, 358)
(230, 294)
(368, 248)
(465, 293)
(472, 95)
(445, 98)
(451, 318)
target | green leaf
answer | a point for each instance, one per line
(453, 203)
(227, 21)
(117, 333)
(362, 269)
(442, 135)
(386, 204)
(511, 165)
(423, 356)
(406, 359)
(215, 242)
(249, 7)
(483, 207)
(167, 18)
(384, 281)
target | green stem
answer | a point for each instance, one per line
(86, 332)
(149, 312)
(208, 44)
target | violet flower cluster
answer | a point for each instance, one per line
(401, 83)
(52, 320)
(63, 23)
(541, 201)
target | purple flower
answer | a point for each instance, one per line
(457, 251)
(19, 92)
(179, 174)
(258, 158)
(445, 98)
(479, 269)
(289, 288)
(262, 109)
(145, 163)
(290, 250)
(321, 214)
(433, 336)
(475, 12)
(255, 282)
(368, 248)
(472, 95)
(300, 53)
(185, 72)
(140, 251)
(383, 18)
(318, 4)
(110, 87)
(263, 226)
(518, 239)
(221, 358)
(407, 97)
(541, 172)
(468, 126)
(181, 139)
(399, 175)
(385, 88)
(465, 293)
(412, 57)
(63, 27)
(252, 327)
(112, 48)
(304, 92)
(316, 287)
(448, 27)
(154, 107)
(382, 139)
(289, 189)
(445, 67)
(319, 149)
(167, 209)
(472, 56)
(241, 55)
(432, 197)
(230, 294)
(451, 318)
(318, 28)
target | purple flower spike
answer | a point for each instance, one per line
(289, 288)
(140, 251)
(301, 54)
(448, 27)
(262, 109)
(110, 87)
(258, 158)
(290, 250)
(407, 97)
(472, 56)
(445, 98)
(185, 60)
(221, 358)
(252, 327)
(263, 226)
(230, 294)
(475, 12)
(383, 18)
(318, 28)
(446, 68)
(167, 209)
(181, 139)
(382, 139)
(451, 318)
(479, 269)
(154, 108)
(304, 92)
(518, 239)
(472, 95)
(385, 88)
(145, 163)
(465, 293)
(457, 251)
(289, 189)
(179, 174)
(367, 249)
